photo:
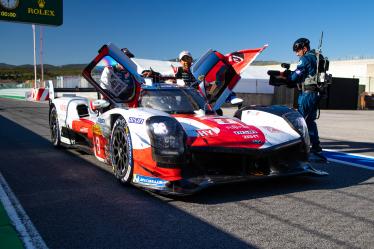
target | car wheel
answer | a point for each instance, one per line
(121, 151)
(54, 127)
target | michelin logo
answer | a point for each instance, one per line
(149, 181)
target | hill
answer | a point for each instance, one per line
(25, 72)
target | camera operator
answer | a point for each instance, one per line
(305, 79)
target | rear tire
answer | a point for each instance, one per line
(121, 151)
(54, 128)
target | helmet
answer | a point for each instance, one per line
(300, 43)
(184, 53)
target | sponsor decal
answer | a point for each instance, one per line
(257, 142)
(236, 127)
(251, 137)
(96, 129)
(136, 120)
(83, 130)
(247, 132)
(149, 181)
(236, 57)
(208, 132)
(101, 120)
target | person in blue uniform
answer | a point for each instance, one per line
(305, 79)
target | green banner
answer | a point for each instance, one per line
(47, 12)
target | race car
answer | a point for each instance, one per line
(168, 137)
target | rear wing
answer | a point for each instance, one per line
(52, 90)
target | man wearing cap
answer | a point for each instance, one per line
(184, 72)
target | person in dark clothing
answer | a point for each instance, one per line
(184, 72)
(305, 79)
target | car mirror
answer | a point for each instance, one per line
(99, 104)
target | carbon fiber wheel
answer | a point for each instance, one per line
(121, 151)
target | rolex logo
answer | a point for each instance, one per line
(41, 3)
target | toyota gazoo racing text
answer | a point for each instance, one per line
(169, 138)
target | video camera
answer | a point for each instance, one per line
(278, 78)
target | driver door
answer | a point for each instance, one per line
(218, 74)
(115, 76)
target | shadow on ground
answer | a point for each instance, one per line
(347, 146)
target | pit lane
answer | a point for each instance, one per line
(73, 203)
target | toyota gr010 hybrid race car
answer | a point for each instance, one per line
(169, 138)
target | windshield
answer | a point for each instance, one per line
(173, 101)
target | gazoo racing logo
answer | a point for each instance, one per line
(236, 57)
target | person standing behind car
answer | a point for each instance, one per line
(305, 78)
(184, 72)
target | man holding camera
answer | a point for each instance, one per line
(305, 79)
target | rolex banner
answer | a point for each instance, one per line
(47, 12)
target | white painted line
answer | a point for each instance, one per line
(347, 162)
(350, 164)
(351, 154)
(22, 223)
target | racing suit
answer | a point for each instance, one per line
(305, 78)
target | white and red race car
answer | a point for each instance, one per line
(168, 137)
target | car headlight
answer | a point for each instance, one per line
(167, 139)
(298, 123)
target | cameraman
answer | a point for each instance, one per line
(305, 79)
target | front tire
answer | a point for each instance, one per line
(121, 151)
(54, 128)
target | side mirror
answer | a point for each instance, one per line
(237, 102)
(99, 104)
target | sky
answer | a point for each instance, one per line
(159, 30)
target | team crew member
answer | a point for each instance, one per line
(305, 78)
(184, 72)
